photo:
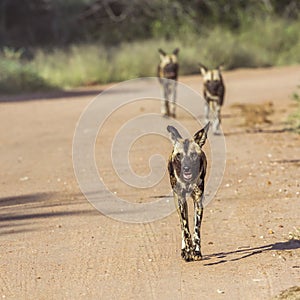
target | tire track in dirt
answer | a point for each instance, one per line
(164, 244)
(157, 235)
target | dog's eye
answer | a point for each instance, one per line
(194, 156)
(179, 156)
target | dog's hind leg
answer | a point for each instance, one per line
(167, 105)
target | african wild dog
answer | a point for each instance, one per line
(187, 169)
(167, 73)
(213, 92)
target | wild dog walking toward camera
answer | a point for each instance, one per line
(167, 73)
(213, 92)
(187, 169)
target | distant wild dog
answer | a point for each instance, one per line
(187, 169)
(213, 92)
(167, 73)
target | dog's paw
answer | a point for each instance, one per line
(197, 255)
(187, 255)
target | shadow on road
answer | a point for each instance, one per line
(239, 254)
(24, 199)
(50, 95)
(26, 213)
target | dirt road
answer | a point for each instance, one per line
(55, 245)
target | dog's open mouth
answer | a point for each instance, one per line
(187, 175)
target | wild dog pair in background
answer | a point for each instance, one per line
(213, 88)
(187, 168)
(213, 92)
(167, 73)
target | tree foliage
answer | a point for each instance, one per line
(62, 22)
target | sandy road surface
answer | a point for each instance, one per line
(55, 245)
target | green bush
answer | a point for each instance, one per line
(261, 43)
(294, 118)
(76, 66)
(18, 78)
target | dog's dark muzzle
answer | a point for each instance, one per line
(190, 169)
(187, 173)
(213, 86)
(170, 71)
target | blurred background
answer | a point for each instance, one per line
(61, 44)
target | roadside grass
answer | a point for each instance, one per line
(264, 43)
(294, 118)
(17, 77)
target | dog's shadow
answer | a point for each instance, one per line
(223, 257)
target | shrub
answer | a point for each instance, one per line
(18, 78)
(260, 43)
(294, 118)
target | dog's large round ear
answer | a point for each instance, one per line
(176, 51)
(203, 69)
(175, 135)
(201, 135)
(162, 52)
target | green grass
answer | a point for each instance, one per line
(265, 43)
(16, 77)
(294, 118)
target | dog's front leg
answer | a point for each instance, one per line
(217, 120)
(206, 109)
(167, 96)
(165, 110)
(198, 211)
(173, 103)
(182, 209)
